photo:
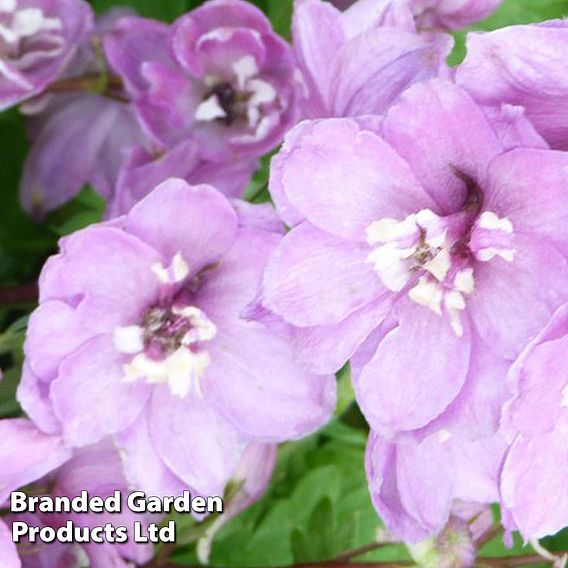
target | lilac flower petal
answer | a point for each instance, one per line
(248, 384)
(381, 465)
(90, 396)
(34, 58)
(186, 211)
(223, 293)
(513, 128)
(426, 129)
(451, 15)
(28, 454)
(501, 319)
(315, 50)
(211, 19)
(33, 396)
(373, 69)
(451, 469)
(364, 15)
(53, 332)
(423, 345)
(195, 442)
(8, 552)
(343, 187)
(76, 276)
(529, 186)
(78, 143)
(293, 279)
(476, 412)
(132, 41)
(525, 66)
(326, 348)
(534, 470)
(142, 465)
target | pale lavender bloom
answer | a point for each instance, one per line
(77, 139)
(535, 472)
(138, 335)
(37, 39)
(524, 66)
(142, 171)
(416, 486)
(219, 75)
(366, 58)
(31, 457)
(427, 256)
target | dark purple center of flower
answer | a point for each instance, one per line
(164, 331)
(228, 100)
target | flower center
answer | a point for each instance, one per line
(437, 255)
(167, 344)
(244, 99)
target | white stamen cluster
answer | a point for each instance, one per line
(420, 244)
(180, 361)
(251, 92)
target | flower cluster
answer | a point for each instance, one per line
(418, 232)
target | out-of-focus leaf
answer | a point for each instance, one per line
(166, 10)
(84, 210)
(280, 14)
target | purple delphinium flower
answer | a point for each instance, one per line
(139, 335)
(41, 462)
(78, 138)
(443, 254)
(368, 56)
(536, 424)
(417, 485)
(219, 75)
(142, 171)
(524, 66)
(37, 39)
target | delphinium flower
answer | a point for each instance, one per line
(142, 171)
(368, 56)
(37, 39)
(535, 421)
(78, 138)
(419, 486)
(138, 335)
(524, 66)
(219, 75)
(42, 464)
(443, 255)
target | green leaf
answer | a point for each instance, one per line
(280, 14)
(319, 541)
(166, 10)
(83, 210)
